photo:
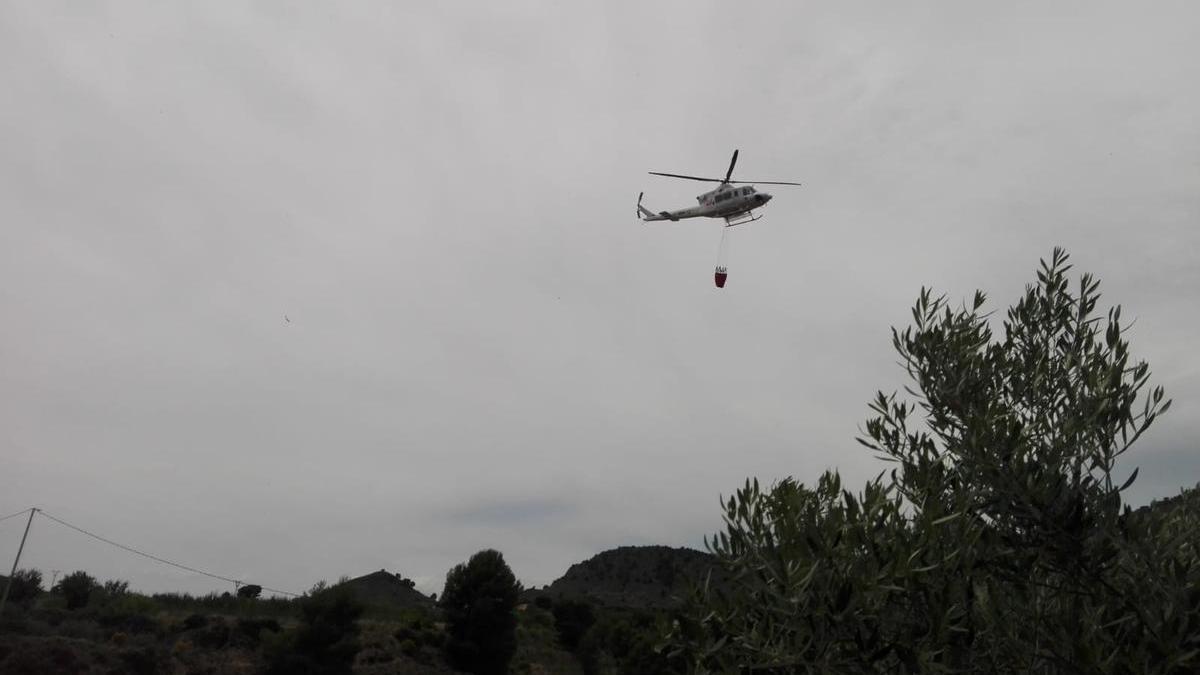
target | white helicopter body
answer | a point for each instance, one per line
(735, 204)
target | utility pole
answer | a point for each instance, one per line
(8, 586)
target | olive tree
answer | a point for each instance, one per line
(997, 540)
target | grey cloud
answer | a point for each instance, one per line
(518, 511)
(486, 349)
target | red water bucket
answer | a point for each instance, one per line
(720, 276)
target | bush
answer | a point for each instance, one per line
(250, 591)
(250, 630)
(26, 585)
(480, 599)
(326, 640)
(195, 621)
(127, 603)
(129, 623)
(624, 642)
(223, 603)
(572, 618)
(143, 661)
(76, 588)
(214, 636)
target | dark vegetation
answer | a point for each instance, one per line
(325, 641)
(26, 585)
(572, 619)
(76, 588)
(995, 540)
(479, 601)
(634, 576)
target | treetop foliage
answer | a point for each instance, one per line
(479, 599)
(26, 585)
(76, 588)
(326, 639)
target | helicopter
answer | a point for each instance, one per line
(735, 204)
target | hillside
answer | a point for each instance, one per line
(387, 590)
(646, 577)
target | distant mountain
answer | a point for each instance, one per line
(1188, 500)
(633, 576)
(386, 589)
(1182, 509)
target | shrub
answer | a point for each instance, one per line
(250, 630)
(214, 636)
(140, 661)
(130, 623)
(26, 585)
(76, 588)
(195, 621)
(572, 618)
(326, 640)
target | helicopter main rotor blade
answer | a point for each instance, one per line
(679, 175)
(731, 163)
(762, 182)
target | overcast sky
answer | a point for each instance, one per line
(486, 348)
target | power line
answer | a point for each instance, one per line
(155, 558)
(14, 515)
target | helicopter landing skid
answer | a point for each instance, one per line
(741, 219)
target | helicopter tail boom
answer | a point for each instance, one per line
(646, 214)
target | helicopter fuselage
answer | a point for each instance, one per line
(724, 202)
(733, 200)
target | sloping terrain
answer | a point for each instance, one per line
(647, 577)
(385, 589)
